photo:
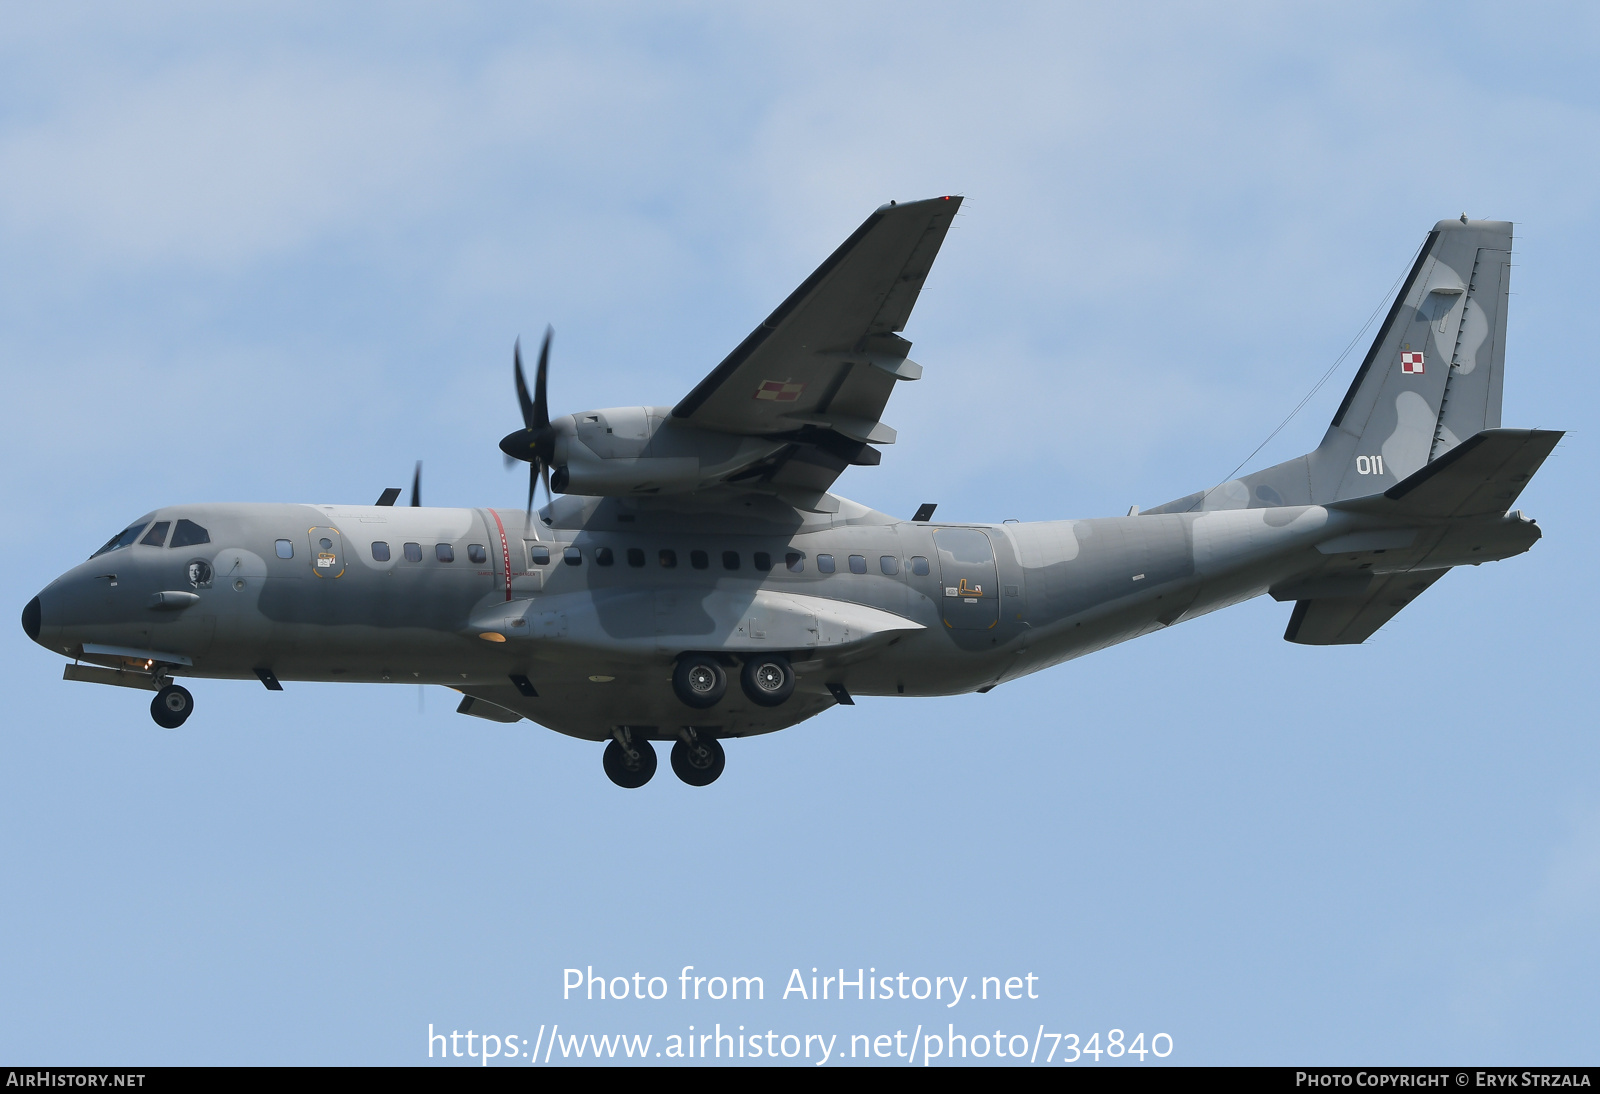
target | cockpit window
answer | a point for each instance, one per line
(121, 539)
(188, 533)
(157, 535)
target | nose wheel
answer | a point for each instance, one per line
(697, 758)
(172, 706)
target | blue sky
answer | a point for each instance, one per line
(281, 253)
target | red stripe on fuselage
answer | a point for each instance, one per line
(505, 551)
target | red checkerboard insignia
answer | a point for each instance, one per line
(779, 392)
(1411, 362)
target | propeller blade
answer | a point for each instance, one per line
(535, 442)
(416, 485)
(541, 406)
(523, 399)
(533, 480)
(507, 459)
(544, 470)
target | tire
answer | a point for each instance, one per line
(767, 680)
(619, 771)
(699, 681)
(172, 706)
(699, 764)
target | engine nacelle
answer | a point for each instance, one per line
(637, 450)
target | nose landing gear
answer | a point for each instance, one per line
(172, 706)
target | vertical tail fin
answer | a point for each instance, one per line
(1432, 378)
(1435, 373)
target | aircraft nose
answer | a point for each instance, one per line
(33, 618)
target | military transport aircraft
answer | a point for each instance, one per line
(698, 543)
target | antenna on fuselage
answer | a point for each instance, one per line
(416, 485)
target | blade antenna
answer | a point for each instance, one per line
(416, 485)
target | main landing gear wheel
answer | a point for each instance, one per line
(699, 680)
(698, 759)
(172, 706)
(630, 766)
(767, 680)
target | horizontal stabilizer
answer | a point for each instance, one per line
(1481, 476)
(1346, 620)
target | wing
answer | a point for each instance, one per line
(820, 368)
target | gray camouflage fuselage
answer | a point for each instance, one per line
(1052, 591)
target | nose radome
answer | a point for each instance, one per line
(32, 618)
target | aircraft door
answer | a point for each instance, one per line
(327, 552)
(971, 599)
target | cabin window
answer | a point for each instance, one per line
(538, 555)
(669, 558)
(603, 556)
(889, 565)
(572, 556)
(476, 553)
(380, 551)
(762, 561)
(157, 535)
(444, 552)
(635, 556)
(413, 552)
(795, 561)
(285, 548)
(919, 565)
(325, 543)
(825, 564)
(730, 560)
(699, 560)
(189, 534)
(858, 564)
